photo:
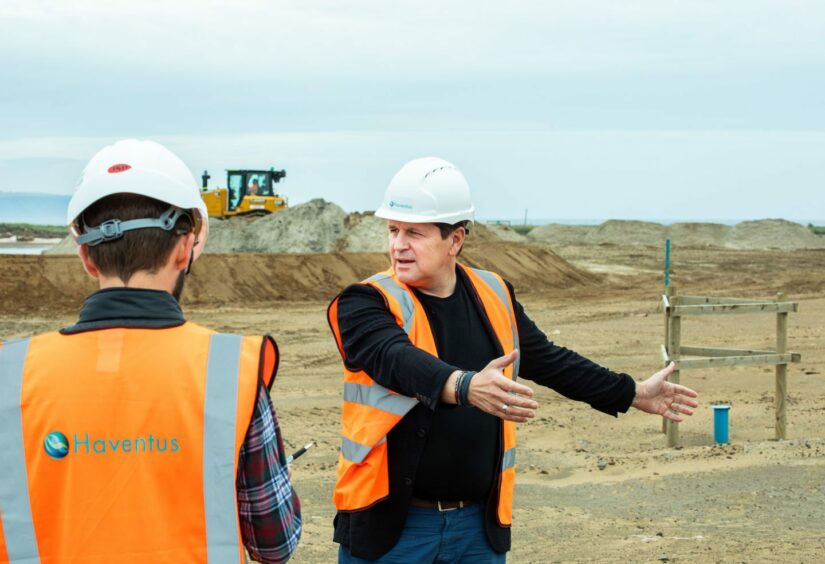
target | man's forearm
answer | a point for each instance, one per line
(373, 342)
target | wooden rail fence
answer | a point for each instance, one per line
(677, 307)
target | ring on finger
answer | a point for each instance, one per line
(505, 407)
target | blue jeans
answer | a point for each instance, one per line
(437, 537)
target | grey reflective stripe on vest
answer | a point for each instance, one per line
(379, 397)
(376, 396)
(356, 452)
(220, 419)
(15, 508)
(509, 459)
(401, 295)
(504, 295)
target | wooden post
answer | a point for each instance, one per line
(781, 396)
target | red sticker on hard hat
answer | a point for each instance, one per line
(119, 168)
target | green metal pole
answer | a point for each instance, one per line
(667, 264)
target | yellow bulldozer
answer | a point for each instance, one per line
(246, 192)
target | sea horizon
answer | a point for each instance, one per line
(41, 208)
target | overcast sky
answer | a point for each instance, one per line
(585, 109)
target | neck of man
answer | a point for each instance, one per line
(163, 280)
(441, 286)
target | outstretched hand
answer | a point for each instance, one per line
(657, 395)
(492, 392)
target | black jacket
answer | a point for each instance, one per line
(373, 342)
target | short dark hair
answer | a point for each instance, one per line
(137, 250)
(447, 229)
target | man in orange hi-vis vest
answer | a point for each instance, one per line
(431, 351)
(134, 435)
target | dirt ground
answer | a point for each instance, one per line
(591, 487)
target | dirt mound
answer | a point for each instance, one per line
(319, 226)
(58, 283)
(495, 232)
(65, 247)
(530, 269)
(316, 226)
(762, 234)
(612, 232)
(559, 234)
(365, 233)
(630, 233)
(772, 234)
(698, 234)
(312, 227)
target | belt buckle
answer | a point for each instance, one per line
(443, 510)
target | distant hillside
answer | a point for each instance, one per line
(36, 208)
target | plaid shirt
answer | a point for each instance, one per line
(268, 507)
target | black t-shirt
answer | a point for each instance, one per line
(459, 458)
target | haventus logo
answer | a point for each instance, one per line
(57, 445)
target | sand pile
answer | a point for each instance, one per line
(698, 234)
(612, 232)
(312, 227)
(58, 283)
(316, 226)
(319, 226)
(65, 247)
(772, 234)
(762, 234)
(624, 233)
(560, 234)
(495, 232)
(364, 233)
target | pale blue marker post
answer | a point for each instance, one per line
(720, 424)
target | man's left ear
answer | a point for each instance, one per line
(458, 241)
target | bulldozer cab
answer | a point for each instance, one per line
(242, 183)
(246, 192)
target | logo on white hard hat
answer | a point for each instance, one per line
(121, 167)
(397, 204)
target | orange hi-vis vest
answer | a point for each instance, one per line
(370, 410)
(121, 445)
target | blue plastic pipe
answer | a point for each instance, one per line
(720, 424)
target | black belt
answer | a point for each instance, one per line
(440, 505)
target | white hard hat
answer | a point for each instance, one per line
(139, 167)
(427, 190)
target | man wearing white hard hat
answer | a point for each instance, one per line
(134, 435)
(431, 350)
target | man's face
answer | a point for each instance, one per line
(420, 257)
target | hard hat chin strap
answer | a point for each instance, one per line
(114, 228)
(191, 260)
